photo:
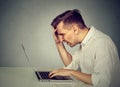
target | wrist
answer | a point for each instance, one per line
(59, 43)
(71, 72)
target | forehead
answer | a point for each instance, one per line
(60, 27)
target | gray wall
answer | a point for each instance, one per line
(28, 22)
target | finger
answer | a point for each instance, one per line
(54, 30)
(52, 72)
(55, 33)
(53, 75)
(56, 38)
(61, 38)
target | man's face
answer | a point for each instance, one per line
(66, 34)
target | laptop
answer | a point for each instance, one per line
(43, 76)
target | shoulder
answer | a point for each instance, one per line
(100, 37)
(102, 41)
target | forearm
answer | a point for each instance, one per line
(65, 56)
(86, 78)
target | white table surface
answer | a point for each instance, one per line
(25, 77)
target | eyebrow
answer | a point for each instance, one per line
(60, 33)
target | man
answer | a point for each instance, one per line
(97, 56)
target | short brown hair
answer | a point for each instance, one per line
(69, 17)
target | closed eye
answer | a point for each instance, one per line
(62, 34)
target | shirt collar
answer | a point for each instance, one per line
(88, 36)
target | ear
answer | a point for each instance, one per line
(75, 28)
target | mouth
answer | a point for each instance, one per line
(68, 43)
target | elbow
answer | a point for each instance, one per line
(101, 81)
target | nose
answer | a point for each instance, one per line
(61, 38)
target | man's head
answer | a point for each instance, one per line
(68, 25)
(69, 17)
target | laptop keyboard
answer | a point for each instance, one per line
(44, 75)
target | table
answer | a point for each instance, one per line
(25, 77)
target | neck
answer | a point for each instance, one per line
(82, 34)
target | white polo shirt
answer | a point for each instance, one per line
(97, 56)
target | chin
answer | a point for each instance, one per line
(72, 45)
